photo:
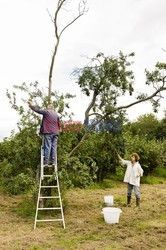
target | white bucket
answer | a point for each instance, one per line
(111, 214)
(109, 200)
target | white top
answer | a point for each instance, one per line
(133, 172)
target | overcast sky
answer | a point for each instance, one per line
(27, 39)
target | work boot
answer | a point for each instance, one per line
(137, 202)
(128, 201)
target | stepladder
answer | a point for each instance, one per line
(49, 202)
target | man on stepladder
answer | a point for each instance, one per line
(132, 177)
(49, 129)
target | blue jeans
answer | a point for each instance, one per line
(136, 190)
(50, 143)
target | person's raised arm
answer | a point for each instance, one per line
(36, 109)
(122, 160)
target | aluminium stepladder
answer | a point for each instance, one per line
(56, 186)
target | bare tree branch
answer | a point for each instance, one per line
(134, 103)
(59, 6)
(81, 11)
(70, 24)
(50, 16)
(163, 49)
(96, 114)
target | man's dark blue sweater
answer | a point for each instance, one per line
(50, 122)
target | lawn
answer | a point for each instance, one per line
(85, 227)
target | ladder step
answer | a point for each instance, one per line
(49, 186)
(48, 166)
(49, 197)
(49, 220)
(49, 208)
(47, 175)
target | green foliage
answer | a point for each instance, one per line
(20, 154)
(145, 126)
(101, 148)
(161, 129)
(19, 157)
(160, 171)
(108, 77)
(18, 184)
(32, 91)
(156, 78)
(76, 173)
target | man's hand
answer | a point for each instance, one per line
(30, 103)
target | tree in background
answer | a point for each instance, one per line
(150, 150)
(107, 78)
(146, 126)
(161, 129)
(20, 154)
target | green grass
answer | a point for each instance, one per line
(153, 180)
(85, 225)
(26, 208)
(120, 200)
(35, 247)
(142, 225)
(106, 184)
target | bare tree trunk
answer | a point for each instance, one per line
(51, 70)
(91, 105)
(60, 4)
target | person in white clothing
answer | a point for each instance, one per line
(132, 177)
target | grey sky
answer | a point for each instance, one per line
(27, 38)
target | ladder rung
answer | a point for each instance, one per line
(49, 208)
(49, 186)
(49, 197)
(48, 166)
(47, 175)
(49, 220)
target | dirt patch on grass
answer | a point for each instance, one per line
(143, 229)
